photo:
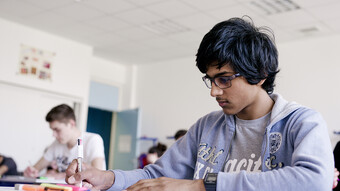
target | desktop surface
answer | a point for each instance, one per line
(10, 181)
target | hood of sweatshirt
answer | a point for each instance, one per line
(281, 108)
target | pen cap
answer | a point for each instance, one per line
(80, 148)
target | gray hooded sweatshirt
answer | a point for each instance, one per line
(296, 153)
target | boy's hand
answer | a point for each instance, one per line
(336, 178)
(31, 172)
(167, 184)
(92, 177)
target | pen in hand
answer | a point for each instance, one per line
(80, 157)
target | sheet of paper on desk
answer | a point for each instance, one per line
(51, 180)
(47, 187)
(11, 178)
(3, 188)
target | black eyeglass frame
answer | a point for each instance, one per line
(208, 81)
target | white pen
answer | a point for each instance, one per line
(80, 157)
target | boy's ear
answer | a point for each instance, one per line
(72, 122)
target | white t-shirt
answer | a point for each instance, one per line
(93, 148)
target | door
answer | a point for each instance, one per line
(99, 121)
(125, 140)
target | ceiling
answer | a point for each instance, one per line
(148, 31)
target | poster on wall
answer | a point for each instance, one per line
(35, 63)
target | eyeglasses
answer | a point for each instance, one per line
(222, 82)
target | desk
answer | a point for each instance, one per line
(10, 181)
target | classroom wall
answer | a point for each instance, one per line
(310, 75)
(70, 69)
(70, 81)
(173, 96)
(114, 74)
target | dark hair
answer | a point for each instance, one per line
(249, 50)
(159, 149)
(180, 133)
(62, 113)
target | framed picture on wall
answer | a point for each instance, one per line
(35, 62)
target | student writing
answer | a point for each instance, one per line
(63, 150)
(257, 141)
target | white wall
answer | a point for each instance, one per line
(70, 70)
(310, 76)
(70, 76)
(173, 96)
(170, 94)
(24, 134)
(114, 74)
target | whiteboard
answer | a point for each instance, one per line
(24, 133)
